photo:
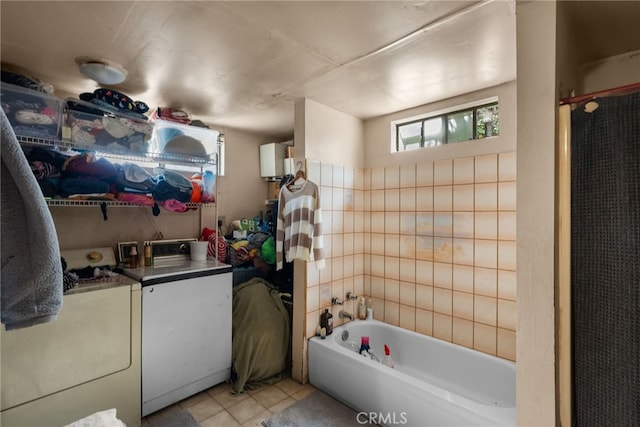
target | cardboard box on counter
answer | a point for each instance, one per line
(274, 190)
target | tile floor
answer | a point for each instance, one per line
(217, 407)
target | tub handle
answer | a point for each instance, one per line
(336, 301)
(351, 296)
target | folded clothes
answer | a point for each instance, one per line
(85, 185)
(85, 165)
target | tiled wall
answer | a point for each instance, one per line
(432, 244)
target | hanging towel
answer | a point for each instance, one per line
(32, 280)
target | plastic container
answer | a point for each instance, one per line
(32, 113)
(92, 124)
(198, 250)
(175, 138)
(387, 361)
(364, 345)
(362, 309)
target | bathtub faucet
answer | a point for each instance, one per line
(344, 314)
(336, 301)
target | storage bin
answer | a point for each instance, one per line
(176, 138)
(32, 113)
(92, 124)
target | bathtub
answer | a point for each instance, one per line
(434, 382)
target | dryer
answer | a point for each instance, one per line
(87, 360)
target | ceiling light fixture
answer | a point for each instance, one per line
(102, 71)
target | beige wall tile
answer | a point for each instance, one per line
(463, 278)
(325, 273)
(507, 226)
(486, 281)
(326, 198)
(392, 245)
(358, 221)
(424, 174)
(392, 313)
(313, 275)
(408, 270)
(486, 168)
(463, 252)
(507, 196)
(313, 320)
(443, 224)
(424, 248)
(336, 244)
(424, 272)
(377, 222)
(337, 218)
(443, 275)
(366, 179)
(347, 266)
(484, 338)
(424, 223)
(443, 249)
(392, 176)
(377, 200)
(408, 175)
(338, 199)
(463, 224)
(337, 290)
(486, 197)
(408, 247)
(348, 202)
(392, 200)
(391, 290)
(326, 174)
(442, 301)
(463, 197)
(377, 243)
(486, 253)
(408, 199)
(358, 200)
(463, 170)
(407, 318)
(377, 287)
(507, 318)
(407, 223)
(507, 285)
(377, 178)
(506, 345)
(392, 267)
(442, 326)
(463, 305)
(424, 198)
(424, 297)
(507, 166)
(507, 255)
(424, 321)
(443, 172)
(462, 332)
(348, 222)
(408, 293)
(485, 310)
(338, 176)
(349, 177)
(347, 244)
(359, 178)
(325, 294)
(377, 265)
(313, 171)
(313, 298)
(486, 225)
(443, 198)
(392, 222)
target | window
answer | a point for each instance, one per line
(471, 123)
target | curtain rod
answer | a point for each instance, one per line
(613, 91)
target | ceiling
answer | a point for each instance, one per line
(242, 65)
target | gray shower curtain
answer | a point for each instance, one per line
(605, 262)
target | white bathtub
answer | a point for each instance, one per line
(434, 382)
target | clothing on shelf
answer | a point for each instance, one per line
(299, 224)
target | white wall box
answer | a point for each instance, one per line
(272, 159)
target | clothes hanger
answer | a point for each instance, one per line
(299, 178)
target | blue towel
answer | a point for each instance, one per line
(32, 283)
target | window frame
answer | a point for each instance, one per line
(444, 116)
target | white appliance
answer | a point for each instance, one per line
(85, 361)
(186, 324)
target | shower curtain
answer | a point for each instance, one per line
(605, 262)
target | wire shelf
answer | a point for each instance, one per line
(121, 154)
(112, 203)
